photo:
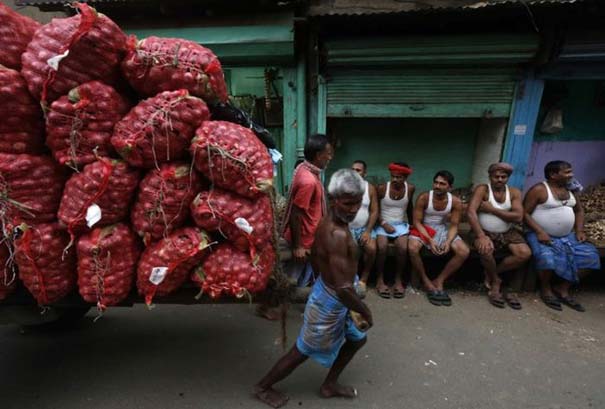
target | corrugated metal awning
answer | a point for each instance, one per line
(66, 2)
(365, 7)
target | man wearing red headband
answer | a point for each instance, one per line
(432, 229)
(395, 211)
(492, 212)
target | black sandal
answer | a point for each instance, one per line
(496, 300)
(434, 298)
(571, 303)
(551, 302)
(444, 298)
(512, 302)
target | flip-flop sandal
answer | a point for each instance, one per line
(385, 292)
(552, 302)
(496, 300)
(513, 302)
(445, 298)
(434, 298)
(397, 293)
(572, 303)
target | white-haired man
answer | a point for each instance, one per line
(328, 334)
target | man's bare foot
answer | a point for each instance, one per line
(337, 391)
(268, 313)
(270, 396)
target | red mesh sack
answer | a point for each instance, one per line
(166, 264)
(16, 31)
(157, 64)
(7, 273)
(30, 188)
(48, 272)
(159, 129)
(107, 260)
(232, 157)
(70, 51)
(79, 125)
(218, 210)
(230, 271)
(107, 183)
(163, 200)
(22, 124)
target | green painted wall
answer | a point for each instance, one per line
(428, 145)
(583, 118)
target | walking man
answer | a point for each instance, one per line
(328, 334)
(433, 231)
(492, 212)
(395, 211)
(363, 224)
(557, 239)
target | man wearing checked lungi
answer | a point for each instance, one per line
(328, 334)
(555, 218)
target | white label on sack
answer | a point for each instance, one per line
(53, 62)
(243, 225)
(158, 274)
(93, 215)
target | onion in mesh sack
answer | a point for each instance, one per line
(230, 271)
(16, 31)
(22, 124)
(232, 157)
(47, 271)
(165, 265)
(163, 200)
(246, 223)
(157, 64)
(79, 125)
(159, 129)
(30, 188)
(70, 51)
(107, 261)
(108, 184)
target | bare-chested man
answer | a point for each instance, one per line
(492, 212)
(328, 334)
(432, 229)
(396, 198)
(363, 225)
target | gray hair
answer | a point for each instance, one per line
(346, 182)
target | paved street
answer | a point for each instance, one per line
(418, 356)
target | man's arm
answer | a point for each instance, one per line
(298, 251)
(454, 221)
(579, 226)
(483, 243)
(373, 208)
(514, 215)
(343, 268)
(410, 209)
(536, 195)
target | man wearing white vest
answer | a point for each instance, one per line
(492, 212)
(555, 218)
(363, 224)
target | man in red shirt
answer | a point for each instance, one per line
(306, 206)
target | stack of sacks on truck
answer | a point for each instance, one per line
(112, 173)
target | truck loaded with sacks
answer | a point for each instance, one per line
(120, 179)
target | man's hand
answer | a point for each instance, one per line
(365, 238)
(388, 228)
(299, 254)
(581, 236)
(434, 248)
(484, 245)
(446, 247)
(367, 315)
(486, 207)
(544, 238)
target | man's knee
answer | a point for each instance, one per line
(401, 247)
(370, 248)
(461, 249)
(382, 243)
(523, 252)
(414, 247)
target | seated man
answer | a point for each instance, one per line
(493, 209)
(431, 229)
(556, 237)
(328, 335)
(395, 210)
(363, 224)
